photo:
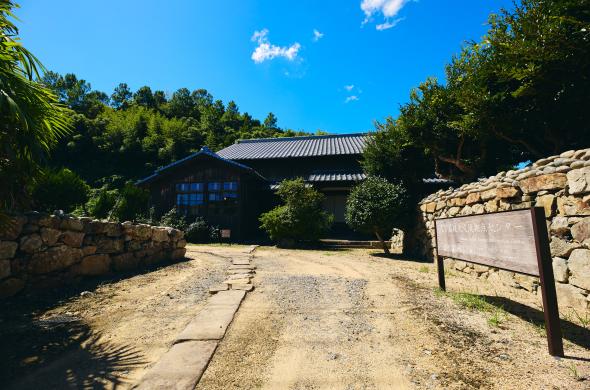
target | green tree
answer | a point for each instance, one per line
(131, 204)
(121, 96)
(300, 218)
(31, 120)
(59, 190)
(376, 206)
(144, 97)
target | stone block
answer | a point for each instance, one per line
(69, 223)
(571, 206)
(578, 180)
(431, 207)
(94, 265)
(30, 243)
(581, 231)
(491, 206)
(138, 232)
(8, 249)
(4, 268)
(548, 204)
(113, 229)
(453, 211)
(180, 368)
(88, 250)
(478, 208)
(488, 194)
(110, 245)
(559, 226)
(178, 253)
(72, 238)
(507, 192)
(570, 296)
(50, 235)
(473, 198)
(49, 221)
(560, 270)
(94, 227)
(159, 234)
(133, 245)
(53, 259)
(10, 286)
(579, 265)
(125, 262)
(466, 210)
(13, 228)
(562, 248)
(552, 181)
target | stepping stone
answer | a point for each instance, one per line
(241, 271)
(212, 321)
(244, 266)
(240, 276)
(218, 288)
(243, 287)
(181, 367)
(237, 281)
(241, 262)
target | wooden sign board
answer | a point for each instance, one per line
(225, 233)
(512, 240)
(502, 240)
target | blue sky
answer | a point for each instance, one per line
(333, 65)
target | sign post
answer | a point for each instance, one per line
(512, 240)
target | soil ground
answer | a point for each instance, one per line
(317, 320)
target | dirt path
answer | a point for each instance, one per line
(108, 336)
(350, 320)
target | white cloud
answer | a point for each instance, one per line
(317, 35)
(388, 8)
(351, 98)
(267, 51)
(349, 87)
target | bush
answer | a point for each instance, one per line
(101, 202)
(174, 219)
(376, 206)
(131, 204)
(198, 231)
(59, 189)
(301, 218)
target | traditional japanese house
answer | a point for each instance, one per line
(232, 187)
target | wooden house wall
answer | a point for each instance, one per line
(243, 219)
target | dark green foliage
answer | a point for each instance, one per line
(301, 217)
(198, 231)
(131, 204)
(174, 219)
(376, 206)
(59, 190)
(101, 202)
(512, 97)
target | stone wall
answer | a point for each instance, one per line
(40, 250)
(559, 184)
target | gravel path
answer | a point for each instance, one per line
(350, 320)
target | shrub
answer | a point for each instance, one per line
(376, 206)
(174, 219)
(301, 218)
(101, 202)
(59, 189)
(198, 231)
(131, 204)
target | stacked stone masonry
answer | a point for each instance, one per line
(40, 250)
(561, 185)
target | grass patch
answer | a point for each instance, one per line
(424, 269)
(497, 315)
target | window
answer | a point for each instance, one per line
(214, 186)
(230, 186)
(215, 196)
(189, 196)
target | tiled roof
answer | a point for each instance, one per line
(204, 151)
(319, 177)
(310, 146)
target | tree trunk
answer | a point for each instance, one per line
(385, 248)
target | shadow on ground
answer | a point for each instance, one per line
(41, 353)
(393, 256)
(573, 332)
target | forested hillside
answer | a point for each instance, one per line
(127, 134)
